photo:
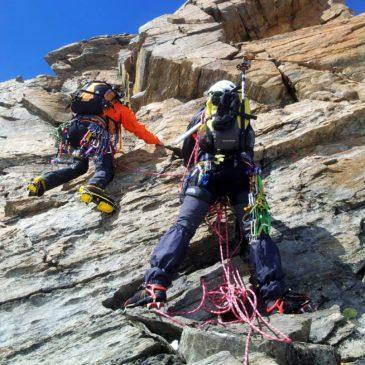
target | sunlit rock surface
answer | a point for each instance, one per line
(59, 259)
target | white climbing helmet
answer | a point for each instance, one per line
(221, 86)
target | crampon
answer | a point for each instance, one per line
(151, 296)
(93, 194)
(37, 187)
(290, 303)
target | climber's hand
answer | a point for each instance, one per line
(175, 150)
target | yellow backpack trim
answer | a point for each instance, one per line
(211, 110)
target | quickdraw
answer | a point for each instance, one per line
(258, 210)
(96, 141)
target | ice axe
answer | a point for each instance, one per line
(243, 67)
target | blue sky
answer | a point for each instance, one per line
(29, 29)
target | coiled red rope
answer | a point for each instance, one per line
(231, 296)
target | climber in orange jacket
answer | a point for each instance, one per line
(123, 115)
(94, 132)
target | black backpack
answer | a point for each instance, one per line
(227, 118)
(90, 98)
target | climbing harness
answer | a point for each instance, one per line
(98, 139)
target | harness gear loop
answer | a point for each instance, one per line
(99, 139)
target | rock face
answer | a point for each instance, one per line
(99, 53)
(60, 259)
(181, 55)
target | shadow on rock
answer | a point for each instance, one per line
(311, 258)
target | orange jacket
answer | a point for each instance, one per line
(121, 114)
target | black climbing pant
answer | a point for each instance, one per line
(229, 180)
(104, 170)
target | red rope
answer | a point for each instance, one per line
(231, 296)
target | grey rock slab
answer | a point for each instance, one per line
(37, 231)
(197, 344)
(30, 206)
(336, 11)
(257, 358)
(359, 362)
(19, 142)
(187, 292)
(161, 359)
(68, 325)
(302, 353)
(111, 343)
(221, 358)
(296, 327)
(333, 47)
(305, 81)
(324, 323)
(96, 53)
(340, 230)
(353, 348)
(46, 82)
(251, 20)
(341, 333)
(52, 107)
(169, 329)
(190, 14)
(313, 123)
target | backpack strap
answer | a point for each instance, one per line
(245, 113)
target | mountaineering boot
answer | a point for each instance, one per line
(116, 301)
(150, 296)
(290, 303)
(91, 193)
(37, 187)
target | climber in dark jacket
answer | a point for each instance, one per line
(216, 175)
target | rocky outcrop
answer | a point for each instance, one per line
(98, 53)
(60, 259)
(52, 107)
(251, 20)
(181, 55)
